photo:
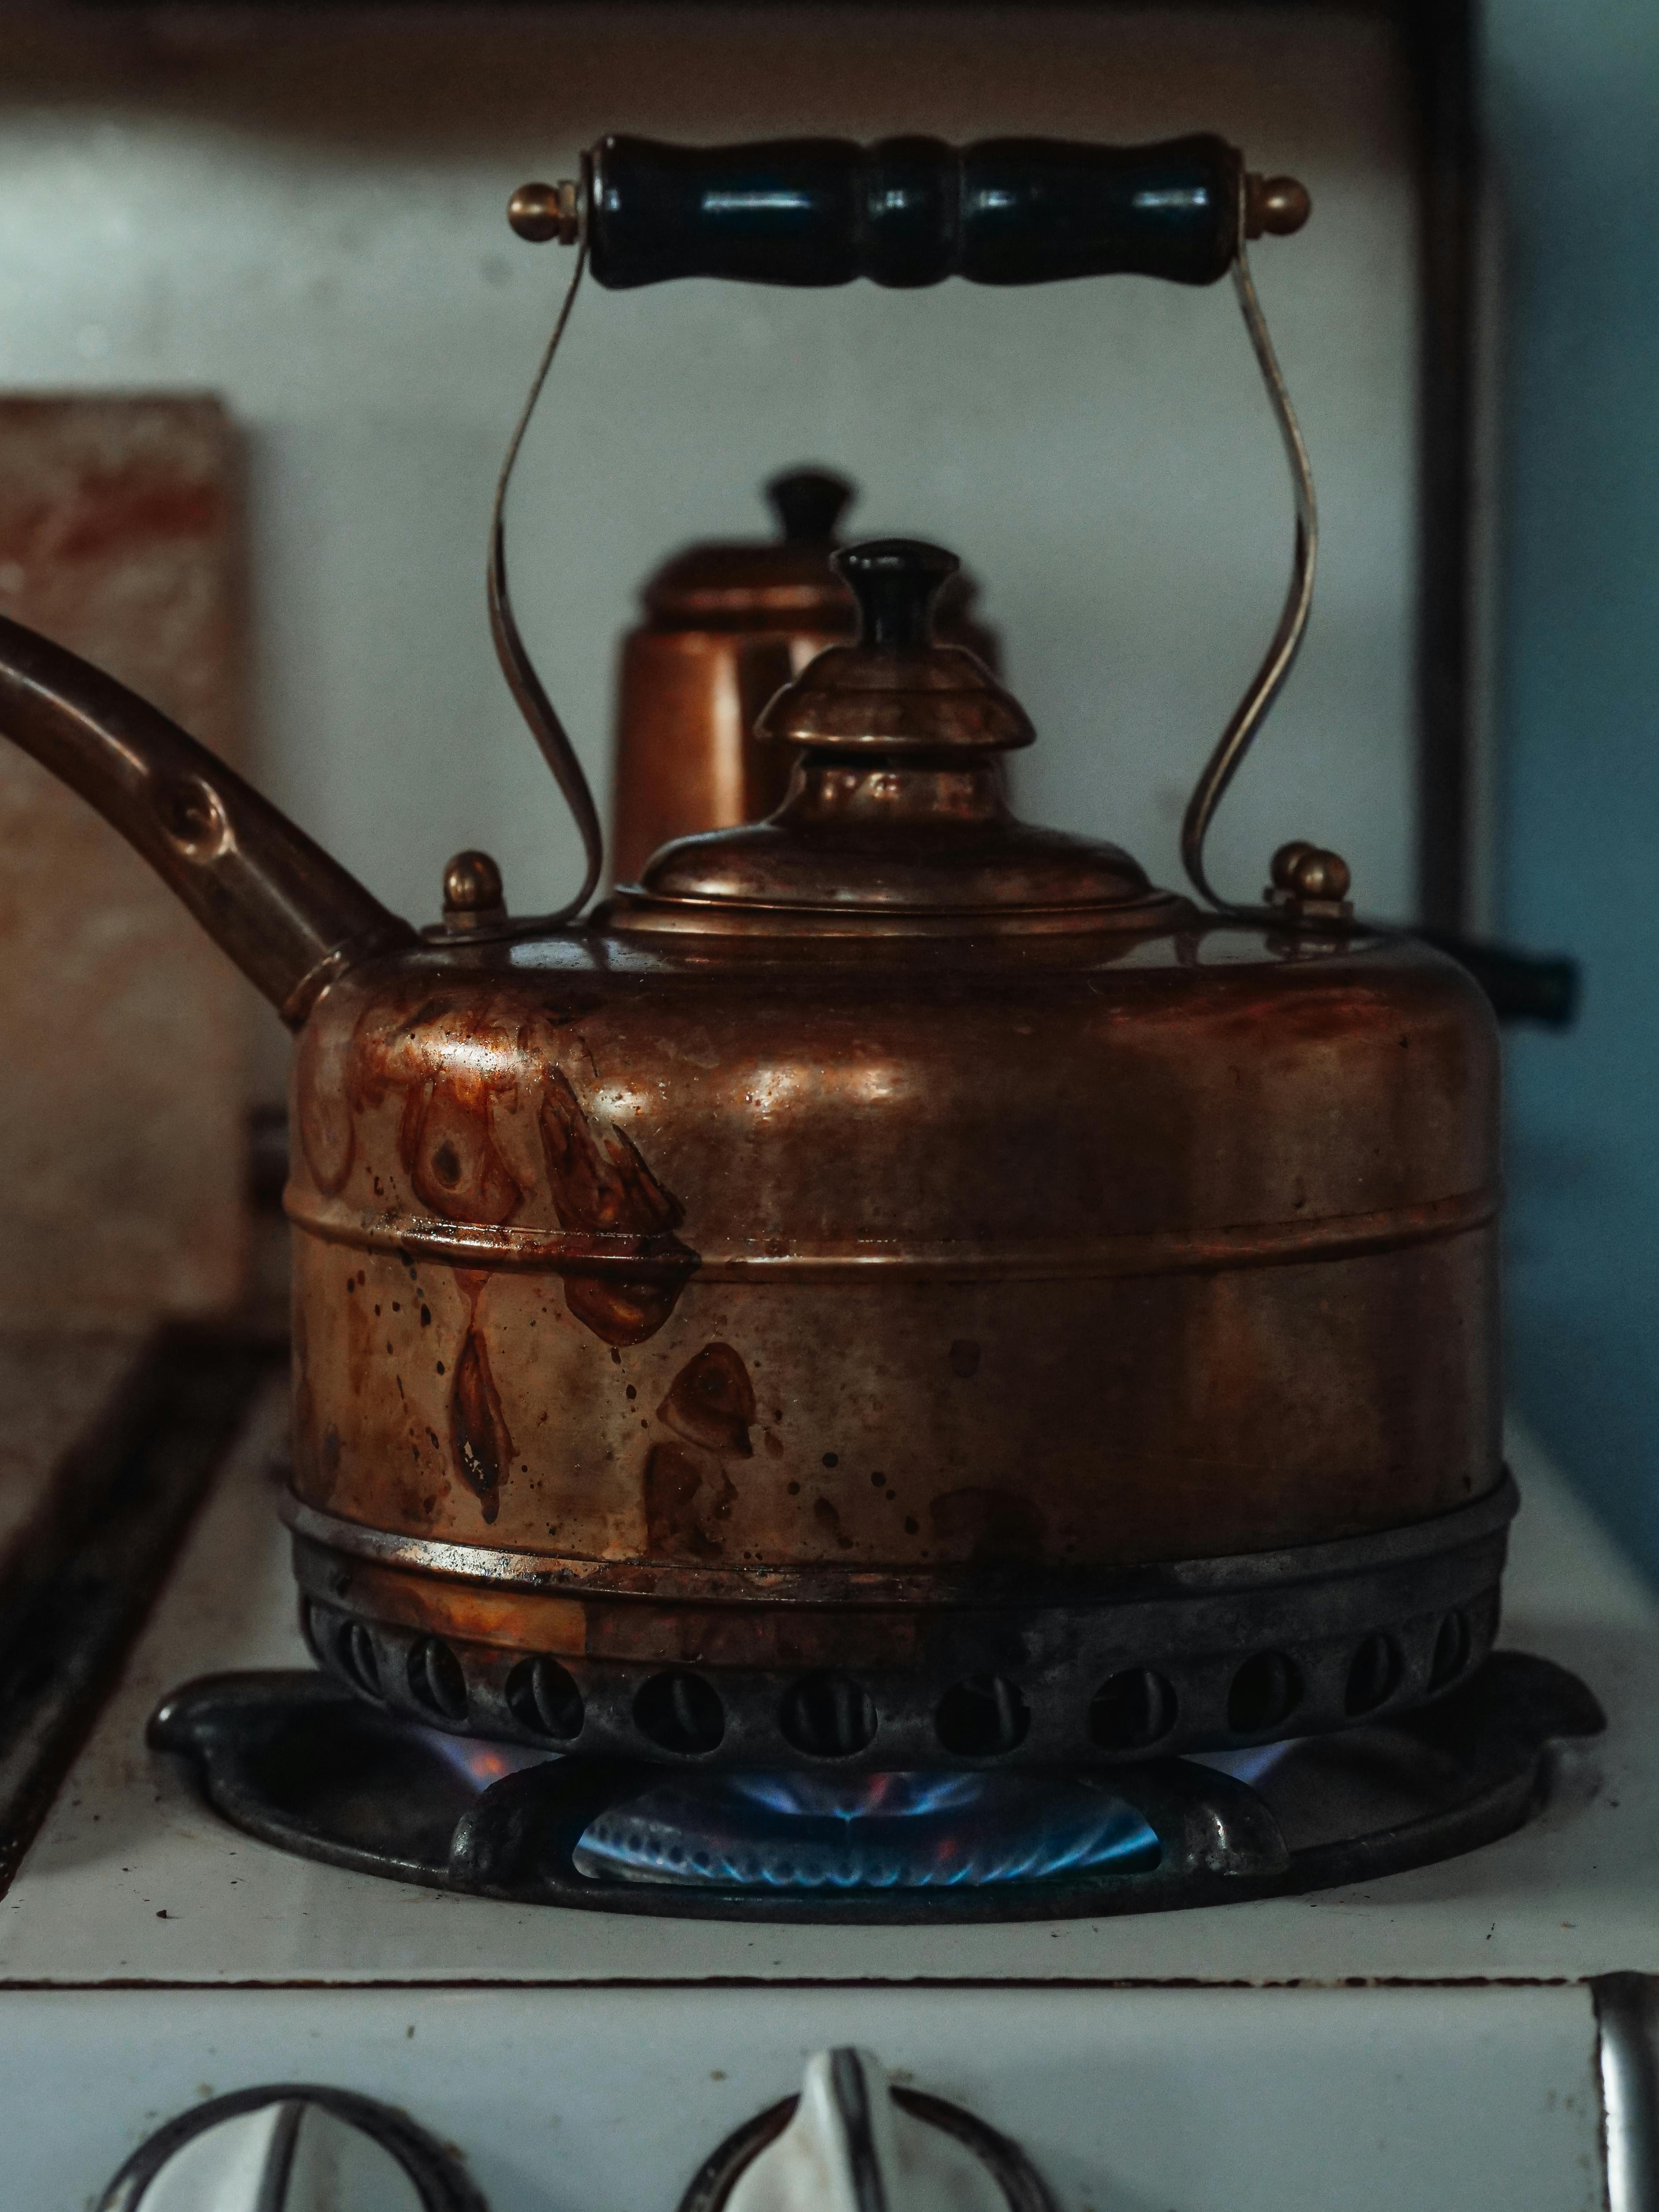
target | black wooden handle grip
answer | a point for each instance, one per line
(911, 211)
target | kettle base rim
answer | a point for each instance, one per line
(1203, 1656)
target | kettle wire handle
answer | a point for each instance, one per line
(520, 669)
(1128, 195)
(1252, 710)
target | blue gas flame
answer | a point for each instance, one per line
(781, 1831)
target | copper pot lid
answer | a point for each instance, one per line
(785, 583)
(897, 813)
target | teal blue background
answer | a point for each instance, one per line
(1571, 91)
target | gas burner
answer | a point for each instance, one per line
(301, 1762)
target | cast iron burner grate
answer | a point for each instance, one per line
(301, 1762)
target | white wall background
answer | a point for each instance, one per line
(305, 213)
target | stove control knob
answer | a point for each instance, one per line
(291, 2151)
(852, 2142)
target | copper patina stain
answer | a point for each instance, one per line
(447, 1076)
(601, 1188)
(711, 1401)
(680, 1504)
(478, 1427)
(451, 1158)
(828, 1519)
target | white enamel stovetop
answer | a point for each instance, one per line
(1429, 2038)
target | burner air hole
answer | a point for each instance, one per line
(354, 1649)
(829, 1717)
(982, 1716)
(1451, 1651)
(1132, 1711)
(680, 1712)
(311, 1627)
(544, 1700)
(1265, 1691)
(1373, 1676)
(435, 1680)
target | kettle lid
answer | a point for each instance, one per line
(897, 815)
(897, 689)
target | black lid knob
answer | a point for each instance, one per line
(809, 503)
(895, 581)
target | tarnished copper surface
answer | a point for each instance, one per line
(1182, 1245)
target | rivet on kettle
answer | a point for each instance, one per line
(1309, 879)
(473, 896)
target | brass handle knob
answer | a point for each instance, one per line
(1275, 207)
(543, 215)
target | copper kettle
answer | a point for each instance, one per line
(726, 623)
(894, 1285)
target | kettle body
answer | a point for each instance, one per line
(886, 1220)
(1103, 1251)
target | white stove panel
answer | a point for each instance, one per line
(609, 2099)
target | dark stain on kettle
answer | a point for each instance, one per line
(828, 1519)
(478, 1427)
(601, 1188)
(711, 1401)
(680, 1506)
(450, 1157)
(996, 1525)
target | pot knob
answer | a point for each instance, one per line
(809, 503)
(895, 581)
(851, 2143)
(896, 691)
(291, 2151)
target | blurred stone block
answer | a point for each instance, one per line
(123, 1031)
(63, 1399)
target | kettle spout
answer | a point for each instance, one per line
(289, 917)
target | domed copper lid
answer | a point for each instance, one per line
(896, 816)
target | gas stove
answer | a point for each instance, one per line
(1472, 2026)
